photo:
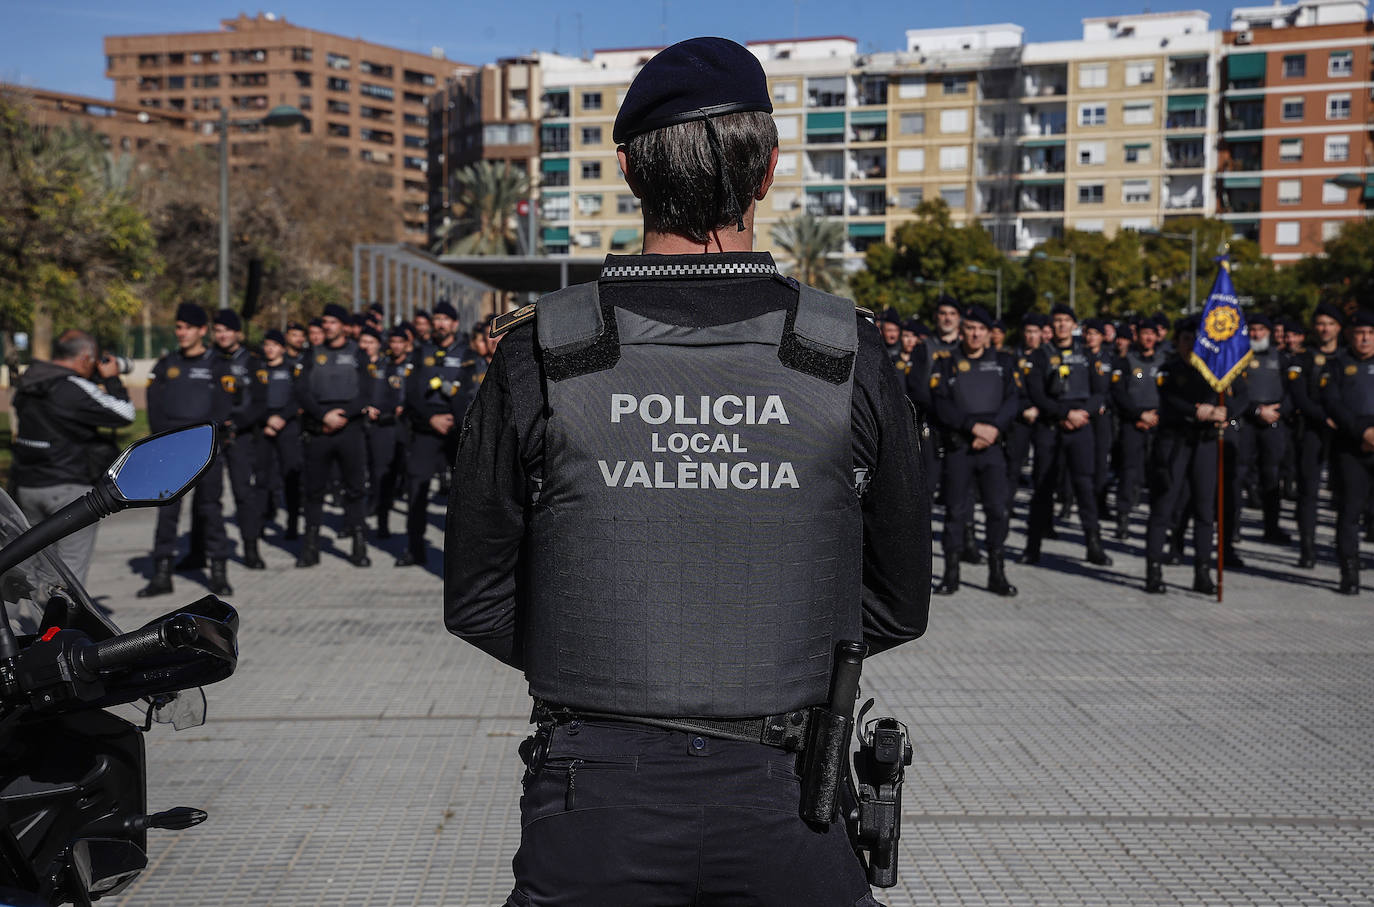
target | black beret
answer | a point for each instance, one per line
(1261, 319)
(334, 310)
(1330, 310)
(402, 331)
(359, 320)
(1162, 319)
(317, 322)
(446, 308)
(230, 319)
(1060, 308)
(890, 316)
(999, 325)
(295, 326)
(913, 325)
(192, 314)
(946, 300)
(370, 331)
(419, 313)
(1185, 323)
(979, 314)
(275, 336)
(1292, 325)
(1035, 320)
(1363, 318)
(1094, 324)
(376, 307)
(1126, 329)
(692, 80)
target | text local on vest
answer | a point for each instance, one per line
(729, 410)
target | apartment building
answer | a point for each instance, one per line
(367, 102)
(491, 114)
(122, 128)
(1298, 112)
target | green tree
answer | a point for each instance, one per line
(1346, 272)
(811, 243)
(484, 211)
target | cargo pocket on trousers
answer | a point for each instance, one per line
(566, 783)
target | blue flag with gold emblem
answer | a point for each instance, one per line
(1222, 348)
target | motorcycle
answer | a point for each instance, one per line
(73, 795)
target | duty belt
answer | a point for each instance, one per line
(787, 730)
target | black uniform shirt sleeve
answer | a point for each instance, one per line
(252, 415)
(305, 397)
(1036, 379)
(1011, 394)
(1338, 405)
(1298, 378)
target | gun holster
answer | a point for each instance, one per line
(874, 820)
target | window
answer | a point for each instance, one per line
(338, 130)
(1092, 115)
(1333, 195)
(414, 141)
(787, 127)
(303, 79)
(591, 100)
(588, 205)
(591, 170)
(415, 119)
(954, 121)
(1138, 154)
(785, 93)
(298, 55)
(1338, 107)
(785, 199)
(553, 138)
(557, 207)
(381, 70)
(1092, 153)
(412, 97)
(1294, 66)
(337, 84)
(787, 165)
(339, 107)
(955, 85)
(416, 163)
(1292, 108)
(1091, 193)
(1290, 151)
(909, 87)
(1337, 148)
(1286, 233)
(1290, 192)
(1090, 226)
(178, 83)
(912, 124)
(910, 196)
(1331, 229)
(954, 157)
(1139, 113)
(588, 239)
(954, 196)
(1135, 192)
(378, 91)
(336, 61)
(591, 135)
(1340, 63)
(911, 160)
(1140, 72)
(1092, 75)
(626, 203)
(205, 81)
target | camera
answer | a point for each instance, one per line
(125, 366)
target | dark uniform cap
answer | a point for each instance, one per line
(192, 314)
(1293, 325)
(999, 325)
(1330, 310)
(1060, 308)
(334, 310)
(376, 307)
(446, 308)
(370, 331)
(360, 320)
(230, 319)
(914, 326)
(1261, 319)
(1187, 323)
(1126, 329)
(317, 322)
(946, 300)
(1035, 320)
(295, 326)
(419, 313)
(1363, 318)
(1095, 324)
(890, 316)
(402, 331)
(979, 314)
(275, 336)
(1161, 320)
(692, 80)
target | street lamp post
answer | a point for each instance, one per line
(1192, 261)
(974, 269)
(1072, 260)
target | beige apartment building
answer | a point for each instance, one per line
(367, 102)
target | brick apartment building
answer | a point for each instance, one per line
(365, 101)
(122, 128)
(1298, 113)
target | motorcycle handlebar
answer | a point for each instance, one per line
(176, 632)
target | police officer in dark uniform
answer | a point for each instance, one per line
(296, 342)
(658, 622)
(1263, 438)
(1135, 397)
(387, 383)
(975, 394)
(1033, 328)
(1349, 402)
(946, 334)
(435, 392)
(424, 326)
(1190, 415)
(238, 444)
(1309, 372)
(1104, 420)
(331, 391)
(1067, 387)
(891, 326)
(279, 448)
(188, 386)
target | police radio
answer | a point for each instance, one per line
(875, 824)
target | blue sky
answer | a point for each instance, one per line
(56, 44)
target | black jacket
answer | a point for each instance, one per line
(61, 415)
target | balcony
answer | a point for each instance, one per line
(1183, 193)
(1042, 122)
(823, 165)
(868, 165)
(871, 91)
(1040, 199)
(1184, 155)
(1033, 233)
(1188, 72)
(1186, 119)
(1046, 81)
(869, 202)
(998, 85)
(827, 202)
(1239, 199)
(557, 104)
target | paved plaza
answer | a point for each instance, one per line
(1081, 744)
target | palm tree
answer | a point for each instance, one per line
(810, 241)
(484, 199)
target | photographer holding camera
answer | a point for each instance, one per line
(59, 446)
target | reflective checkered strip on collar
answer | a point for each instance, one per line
(724, 269)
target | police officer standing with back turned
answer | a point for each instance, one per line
(189, 386)
(1349, 402)
(975, 394)
(667, 636)
(332, 393)
(247, 386)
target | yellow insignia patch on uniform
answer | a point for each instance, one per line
(963, 365)
(1016, 378)
(372, 369)
(262, 375)
(1063, 371)
(435, 383)
(229, 383)
(296, 370)
(480, 377)
(1351, 369)
(941, 354)
(935, 380)
(1116, 377)
(321, 359)
(429, 362)
(439, 353)
(1159, 379)
(1294, 372)
(1055, 360)
(467, 363)
(394, 381)
(502, 323)
(151, 379)
(173, 372)
(1323, 382)
(1139, 373)
(1319, 359)
(1102, 368)
(409, 367)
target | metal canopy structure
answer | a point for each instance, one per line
(523, 273)
(404, 279)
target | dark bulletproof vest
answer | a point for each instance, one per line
(334, 373)
(976, 384)
(241, 365)
(1077, 384)
(1141, 376)
(1264, 377)
(1358, 388)
(188, 395)
(279, 391)
(696, 545)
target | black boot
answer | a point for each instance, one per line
(251, 558)
(1233, 556)
(293, 528)
(1350, 576)
(1272, 533)
(310, 548)
(950, 584)
(997, 576)
(219, 578)
(410, 558)
(359, 556)
(1307, 552)
(161, 583)
(1154, 577)
(1123, 525)
(1096, 555)
(195, 560)
(1202, 580)
(969, 553)
(383, 530)
(1177, 539)
(1031, 553)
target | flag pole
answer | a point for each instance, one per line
(1221, 489)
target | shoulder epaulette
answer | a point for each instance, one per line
(502, 323)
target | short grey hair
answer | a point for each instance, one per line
(74, 344)
(675, 172)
